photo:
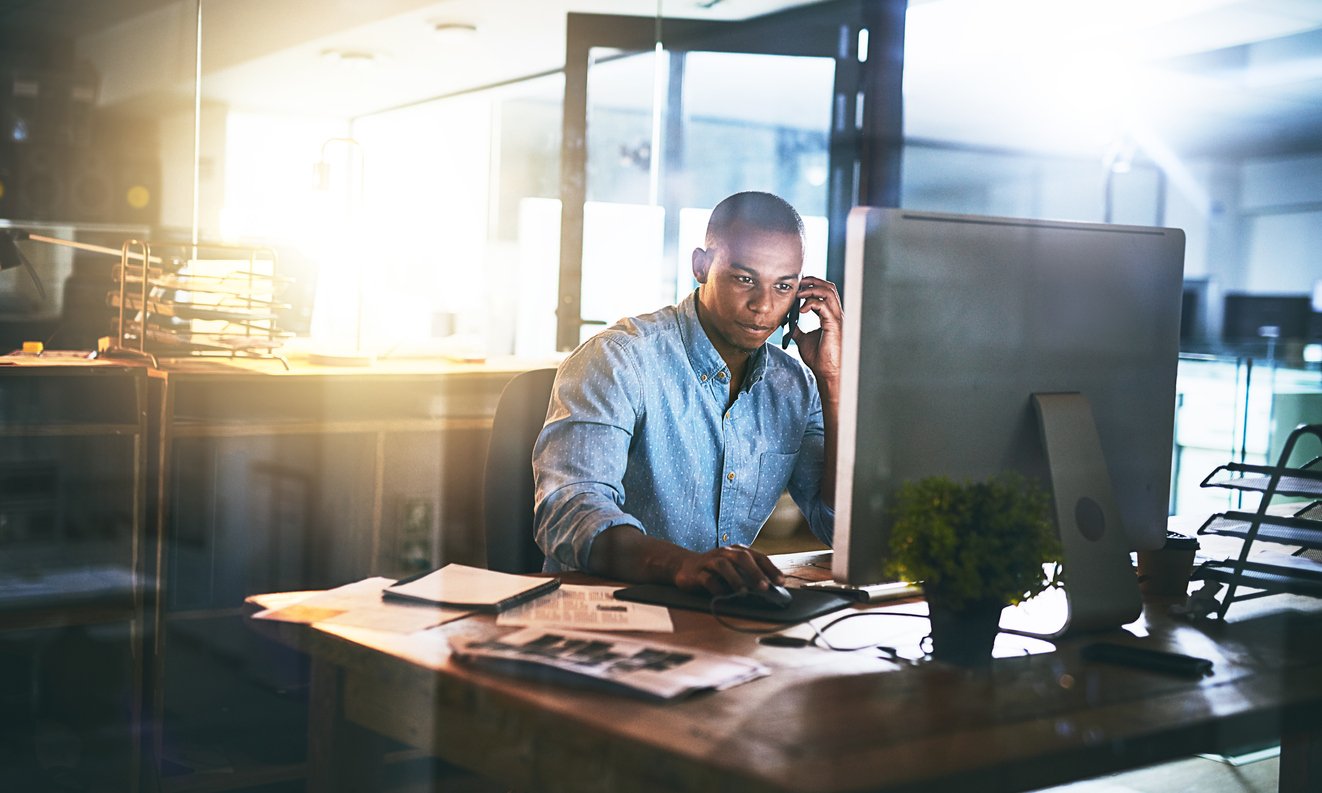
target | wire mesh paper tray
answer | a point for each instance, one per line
(180, 300)
(1283, 573)
(1282, 529)
(1268, 572)
(1304, 482)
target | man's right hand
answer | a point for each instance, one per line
(626, 554)
(731, 568)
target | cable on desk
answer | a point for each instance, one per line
(819, 638)
(889, 652)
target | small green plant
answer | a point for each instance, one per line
(974, 541)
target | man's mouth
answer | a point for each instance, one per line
(756, 328)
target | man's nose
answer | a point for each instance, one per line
(761, 301)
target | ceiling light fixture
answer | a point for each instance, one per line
(455, 31)
(351, 58)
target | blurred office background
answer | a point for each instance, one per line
(440, 129)
(405, 157)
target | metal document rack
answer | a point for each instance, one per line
(178, 300)
(1268, 573)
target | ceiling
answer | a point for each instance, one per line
(1201, 77)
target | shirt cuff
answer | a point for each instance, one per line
(583, 544)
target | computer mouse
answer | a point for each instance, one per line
(775, 596)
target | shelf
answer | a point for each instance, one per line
(1300, 482)
(200, 429)
(66, 430)
(1286, 574)
(1273, 528)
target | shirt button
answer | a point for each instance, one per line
(703, 378)
(725, 538)
(730, 476)
(727, 415)
(720, 376)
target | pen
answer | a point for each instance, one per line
(601, 607)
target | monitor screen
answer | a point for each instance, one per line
(1257, 318)
(953, 322)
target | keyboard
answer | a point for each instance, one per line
(821, 561)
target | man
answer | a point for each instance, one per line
(670, 436)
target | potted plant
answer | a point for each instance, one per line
(975, 547)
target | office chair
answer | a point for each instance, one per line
(508, 487)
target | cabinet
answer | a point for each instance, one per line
(74, 581)
(1271, 572)
(272, 480)
(140, 506)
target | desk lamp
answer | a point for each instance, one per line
(11, 256)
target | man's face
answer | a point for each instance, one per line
(748, 281)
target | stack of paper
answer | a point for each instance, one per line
(643, 668)
(360, 605)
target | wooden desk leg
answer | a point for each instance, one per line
(1301, 761)
(342, 756)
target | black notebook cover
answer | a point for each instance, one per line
(805, 605)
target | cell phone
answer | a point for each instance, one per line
(791, 323)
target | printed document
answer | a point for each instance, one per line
(588, 608)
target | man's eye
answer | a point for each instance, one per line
(784, 287)
(743, 279)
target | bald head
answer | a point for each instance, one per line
(756, 210)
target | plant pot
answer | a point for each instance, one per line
(964, 637)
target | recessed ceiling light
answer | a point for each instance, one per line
(351, 58)
(455, 31)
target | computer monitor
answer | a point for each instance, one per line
(954, 322)
(1257, 318)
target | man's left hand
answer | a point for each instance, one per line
(821, 349)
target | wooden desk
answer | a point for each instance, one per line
(827, 721)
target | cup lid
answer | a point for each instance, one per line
(1176, 541)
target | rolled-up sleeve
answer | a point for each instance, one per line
(806, 479)
(580, 456)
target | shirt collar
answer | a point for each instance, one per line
(703, 357)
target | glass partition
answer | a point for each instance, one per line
(96, 147)
(407, 160)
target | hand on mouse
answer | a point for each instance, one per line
(727, 569)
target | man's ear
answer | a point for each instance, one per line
(701, 264)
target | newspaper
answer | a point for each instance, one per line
(643, 668)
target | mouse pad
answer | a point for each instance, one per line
(806, 604)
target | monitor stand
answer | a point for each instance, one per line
(1100, 585)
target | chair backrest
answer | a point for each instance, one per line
(508, 487)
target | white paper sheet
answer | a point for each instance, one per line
(359, 604)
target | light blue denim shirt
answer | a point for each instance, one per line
(637, 433)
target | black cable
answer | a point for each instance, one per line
(819, 638)
(889, 652)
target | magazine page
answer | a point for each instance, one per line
(651, 669)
